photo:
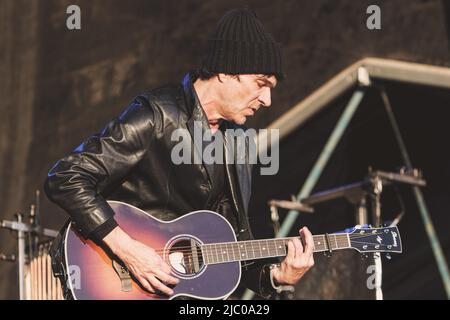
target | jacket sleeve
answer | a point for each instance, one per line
(256, 277)
(76, 182)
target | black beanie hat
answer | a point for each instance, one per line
(239, 45)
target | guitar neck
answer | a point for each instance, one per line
(214, 253)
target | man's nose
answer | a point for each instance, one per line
(264, 98)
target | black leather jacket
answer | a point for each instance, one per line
(130, 161)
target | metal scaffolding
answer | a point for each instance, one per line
(358, 76)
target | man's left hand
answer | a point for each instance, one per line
(299, 259)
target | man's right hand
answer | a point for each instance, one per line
(152, 272)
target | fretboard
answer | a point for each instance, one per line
(266, 248)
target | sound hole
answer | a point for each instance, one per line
(185, 257)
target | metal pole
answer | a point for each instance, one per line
(361, 213)
(319, 166)
(322, 161)
(21, 258)
(429, 228)
(377, 188)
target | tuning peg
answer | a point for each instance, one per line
(388, 256)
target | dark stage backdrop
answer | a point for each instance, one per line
(59, 86)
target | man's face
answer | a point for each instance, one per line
(243, 95)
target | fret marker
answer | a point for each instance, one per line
(243, 254)
(224, 252)
(264, 248)
(318, 242)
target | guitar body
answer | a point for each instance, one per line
(90, 271)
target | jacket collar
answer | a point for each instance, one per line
(193, 106)
(197, 117)
(197, 114)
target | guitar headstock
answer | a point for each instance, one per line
(385, 239)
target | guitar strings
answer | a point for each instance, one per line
(204, 261)
(269, 248)
(215, 251)
(204, 258)
(219, 256)
(352, 237)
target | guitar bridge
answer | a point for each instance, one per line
(124, 276)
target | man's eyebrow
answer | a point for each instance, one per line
(264, 78)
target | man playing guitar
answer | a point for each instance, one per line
(130, 160)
